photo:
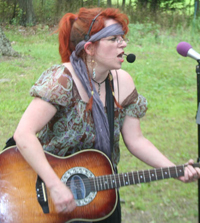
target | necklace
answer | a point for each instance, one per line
(99, 85)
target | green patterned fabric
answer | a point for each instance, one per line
(72, 128)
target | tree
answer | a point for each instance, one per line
(109, 3)
(123, 4)
(197, 8)
(5, 46)
(154, 5)
(26, 12)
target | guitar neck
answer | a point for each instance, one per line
(107, 182)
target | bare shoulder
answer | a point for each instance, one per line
(124, 85)
(68, 65)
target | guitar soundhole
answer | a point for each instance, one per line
(78, 180)
(79, 186)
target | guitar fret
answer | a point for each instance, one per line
(162, 173)
(101, 183)
(119, 181)
(153, 176)
(144, 176)
(169, 173)
(114, 181)
(111, 182)
(138, 177)
(159, 175)
(176, 171)
(166, 174)
(149, 175)
(126, 180)
(95, 187)
(105, 183)
(156, 174)
(180, 170)
(141, 176)
(122, 177)
(133, 178)
(98, 183)
(108, 182)
(93, 184)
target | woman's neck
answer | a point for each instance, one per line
(100, 77)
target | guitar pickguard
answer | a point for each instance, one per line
(77, 179)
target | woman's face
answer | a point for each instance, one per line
(109, 51)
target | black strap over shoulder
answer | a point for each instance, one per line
(110, 110)
(10, 142)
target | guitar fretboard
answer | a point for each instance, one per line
(107, 182)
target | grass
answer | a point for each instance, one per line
(166, 79)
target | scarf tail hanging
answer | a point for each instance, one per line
(102, 140)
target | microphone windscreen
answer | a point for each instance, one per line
(183, 48)
(131, 58)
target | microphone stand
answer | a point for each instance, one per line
(198, 128)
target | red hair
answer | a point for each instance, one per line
(73, 27)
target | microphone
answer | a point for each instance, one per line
(130, 57)
(185, 50)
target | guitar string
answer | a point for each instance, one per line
(120, 177)
(144, 173)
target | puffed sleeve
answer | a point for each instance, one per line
(54, 86)
(135, 105)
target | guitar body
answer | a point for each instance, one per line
(18, 197)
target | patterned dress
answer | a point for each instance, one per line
(72, 128)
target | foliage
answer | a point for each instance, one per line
(49, 12)
(16, 20)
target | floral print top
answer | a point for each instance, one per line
(72, 128)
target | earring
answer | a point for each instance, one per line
(93, 69)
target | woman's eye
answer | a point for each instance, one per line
(113, 39)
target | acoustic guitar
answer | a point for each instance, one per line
(89, 174)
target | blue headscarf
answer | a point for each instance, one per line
(102, 140)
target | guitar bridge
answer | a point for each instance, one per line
(42, 195)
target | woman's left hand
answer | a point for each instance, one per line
(191, 174)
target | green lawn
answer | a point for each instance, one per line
(166, 79)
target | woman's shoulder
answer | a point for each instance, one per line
(56, 74)
(54, 85)
(57, 69)
(124, 84)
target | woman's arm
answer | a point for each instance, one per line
(37, 115)
(144, 150)
(137, 144)
(141, 147)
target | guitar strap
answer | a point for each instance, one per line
(110, 110)
(10, 142)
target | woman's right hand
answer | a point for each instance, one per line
(62, 198)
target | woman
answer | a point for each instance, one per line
(68, 109)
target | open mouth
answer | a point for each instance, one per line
(120, 55)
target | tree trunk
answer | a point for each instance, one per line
(197, 8)
(27, 12)
(155, 4)
(5, 46)
(123, 4)
(142, 4)
(59, 6)
(109, 3)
